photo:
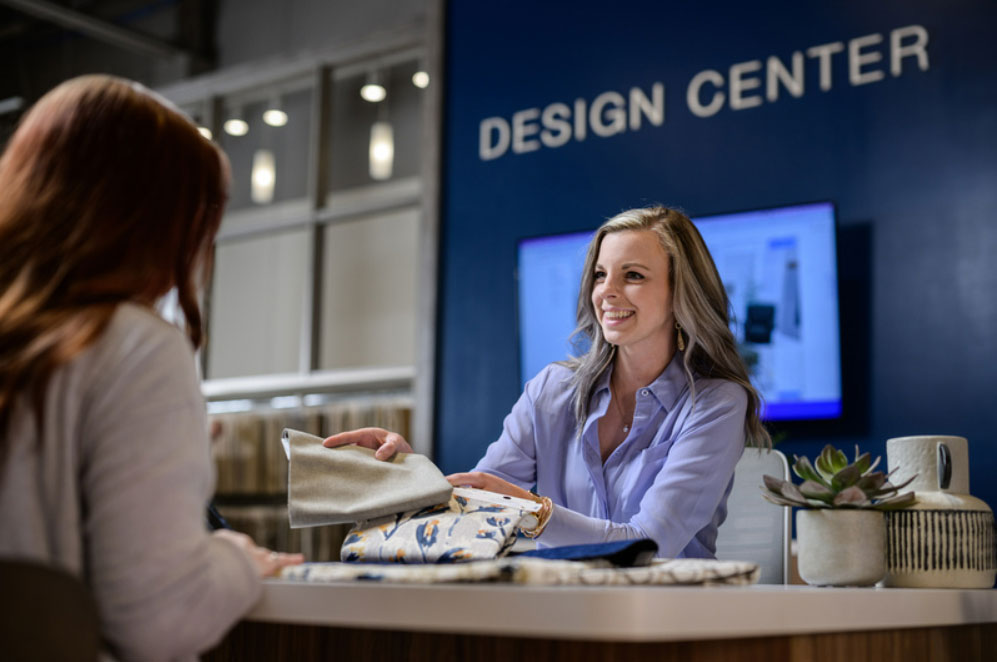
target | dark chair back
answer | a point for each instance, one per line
(45, 614)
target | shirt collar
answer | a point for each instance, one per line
(666, 388)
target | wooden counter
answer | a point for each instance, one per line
(357, 621)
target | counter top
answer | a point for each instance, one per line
(612, 613)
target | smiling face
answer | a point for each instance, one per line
(631, 295)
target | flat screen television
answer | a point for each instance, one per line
(779, 267)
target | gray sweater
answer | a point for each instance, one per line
(114, 490)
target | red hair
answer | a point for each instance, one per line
(107, 195)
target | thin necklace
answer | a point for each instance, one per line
(619, 409)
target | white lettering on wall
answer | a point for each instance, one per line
(580, 116)
(653, 109)
(523, 127)
(823, 54)
(917, 48)
(857, 59)
(557, 128)
(776, 72)
(608, 106)
(747, 85)
(487, 148)
(692, 94)
(741, 82)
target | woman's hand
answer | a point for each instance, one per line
(384, 443)
(268, 563)
(486, 481)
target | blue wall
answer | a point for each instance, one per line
(910, 160)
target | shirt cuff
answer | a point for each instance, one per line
(567, 527)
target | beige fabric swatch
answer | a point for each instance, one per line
(347, 484)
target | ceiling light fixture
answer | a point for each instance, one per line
(264, 177)
(382, 150)
(373, 90)
(274, 115)
(236, 126)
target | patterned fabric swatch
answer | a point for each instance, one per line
(537, 572)
(460, 530)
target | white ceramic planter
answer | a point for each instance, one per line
(841, 547)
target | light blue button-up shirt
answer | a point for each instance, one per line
(668, 480)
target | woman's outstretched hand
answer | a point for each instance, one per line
(486, 481)
(383, 442)
(268, 563)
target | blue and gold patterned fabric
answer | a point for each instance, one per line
(460, 530)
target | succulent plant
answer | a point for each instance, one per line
(831, 482)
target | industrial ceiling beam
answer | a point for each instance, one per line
(97, 28)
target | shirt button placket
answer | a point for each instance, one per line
(640, 412)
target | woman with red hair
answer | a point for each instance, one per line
(110, 199)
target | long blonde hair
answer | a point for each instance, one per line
(700, 306)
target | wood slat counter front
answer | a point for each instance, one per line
(508, 623)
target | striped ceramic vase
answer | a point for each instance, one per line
(947, 539)
(940, 548)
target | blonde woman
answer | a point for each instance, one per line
(638, 437)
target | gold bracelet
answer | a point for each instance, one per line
(542, 516)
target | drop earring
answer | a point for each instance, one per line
(679, 341)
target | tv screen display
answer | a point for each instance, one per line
(779, 267)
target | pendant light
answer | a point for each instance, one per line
(373, 89)
(274, 115)
(236, 125)
(421, 77)
(264, 177)
(382, 150)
